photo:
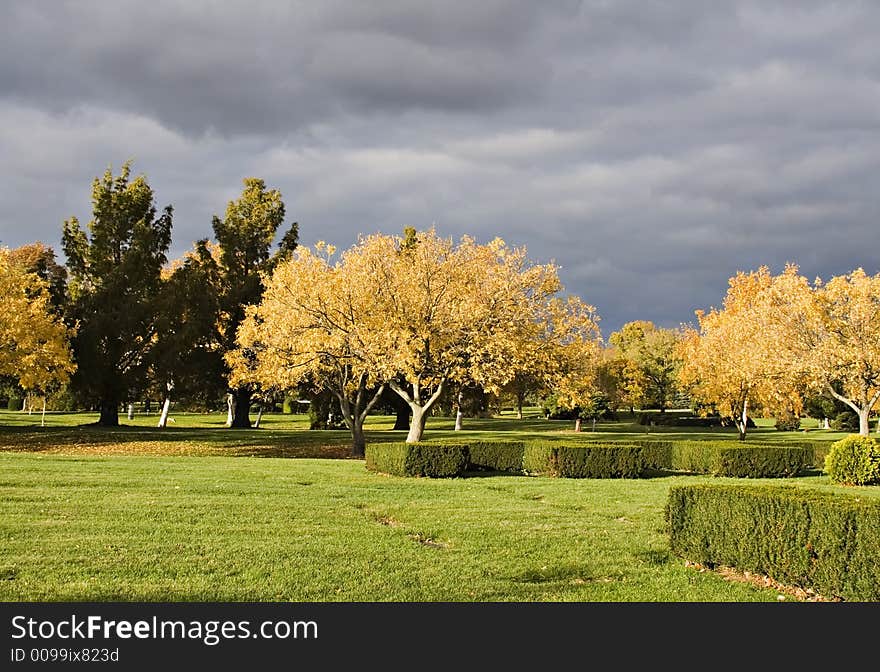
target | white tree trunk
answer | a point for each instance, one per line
(259, 417)
(417, 424)
(229, 410)
(43, 419)
(131, 411)
(743, 423)
(577, 424)
(864, 427)
(163, 418)
(825, 424)
(29, 403)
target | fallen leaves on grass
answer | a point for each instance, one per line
(763, 581)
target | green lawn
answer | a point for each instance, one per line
(217, 529)
(137, 513)
(288, 436)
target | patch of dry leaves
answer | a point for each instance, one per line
(762, 581)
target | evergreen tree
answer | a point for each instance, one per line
(114, 281)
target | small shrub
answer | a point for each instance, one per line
(496, 455)
(788, 422)
(854, 460)
(417, 459)
(825, 541)
(15, 404)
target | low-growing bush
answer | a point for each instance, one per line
(496, 455)
(15, 404)
(739, 460)
(788, 422)
(854, 460)
(825, 541)
(417, 459)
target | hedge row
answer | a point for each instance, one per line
(417, 459)
(824, 541)
(597, 459)
(608, 460)
(739, 460)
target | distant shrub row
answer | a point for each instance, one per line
(598, 459)
(824, 541)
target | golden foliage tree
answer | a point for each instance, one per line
(316, 321)
(830, 333)
(34, 344)
(733, 362)
(465, 312)
(414, 313)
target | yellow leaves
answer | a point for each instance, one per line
(779, 334)
(424, 308)
(33, 344)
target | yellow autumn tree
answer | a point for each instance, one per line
(316, 321)
(34, 343)
(830, 334)
(573, 353)
(464, 312)
(732, 361)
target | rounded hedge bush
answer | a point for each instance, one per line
(789, 422)
(854, 460)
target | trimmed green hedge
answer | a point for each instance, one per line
(496, 455)
(739, 460)
(599, 460)
(417, 459)
(594, 459)
(825, 541)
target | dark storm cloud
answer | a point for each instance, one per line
(649, 148)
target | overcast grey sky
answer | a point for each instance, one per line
(650, 148)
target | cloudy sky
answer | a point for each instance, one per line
(650, 148)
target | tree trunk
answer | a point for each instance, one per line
(29, 403)
(864, 428)
(230, 407)
(577, 424)
(417, 425)
(131, 411)
(109, 413)
(163, 418)
(402, 419)
(43, 419)
(358, 441)
(594, 425)
(240, 413)
(458, 413)
(743, 423)
(259, 417)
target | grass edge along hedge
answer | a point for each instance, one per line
(829, 542)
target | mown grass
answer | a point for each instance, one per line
(288, 435)
(232, 529)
